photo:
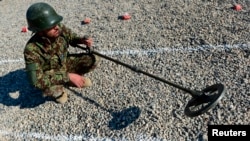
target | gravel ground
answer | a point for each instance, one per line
(194, 43)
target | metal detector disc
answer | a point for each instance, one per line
(201, 104)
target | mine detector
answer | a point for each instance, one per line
(201, 100)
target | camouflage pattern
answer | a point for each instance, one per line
(47, 63)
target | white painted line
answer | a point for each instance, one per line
(11, 61)
(158, 50)
(177, 49)
(41, 136)
(34, 135)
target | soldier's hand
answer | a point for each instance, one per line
(88, 41)
(76, 79)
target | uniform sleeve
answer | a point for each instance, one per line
(70, 36)
(37, 77)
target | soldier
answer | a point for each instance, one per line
(49, 65)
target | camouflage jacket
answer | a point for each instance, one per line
(45, 61)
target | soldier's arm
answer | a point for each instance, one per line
(72, 37)
(39, 78)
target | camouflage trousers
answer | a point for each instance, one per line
(82, 63)
(76, 63)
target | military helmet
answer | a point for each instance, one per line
(41, 16)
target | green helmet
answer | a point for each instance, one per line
(41, 16)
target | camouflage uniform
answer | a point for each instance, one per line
(48, 63)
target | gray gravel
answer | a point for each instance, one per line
(193, 43)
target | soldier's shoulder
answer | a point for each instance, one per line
(32, 44)
(64, 28)
(30, 48)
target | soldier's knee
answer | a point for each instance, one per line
(53, 91)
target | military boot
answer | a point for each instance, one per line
(87, 82)
(62, 98)
(57, 92)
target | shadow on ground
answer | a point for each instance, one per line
(15, 90)
(120, 119)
